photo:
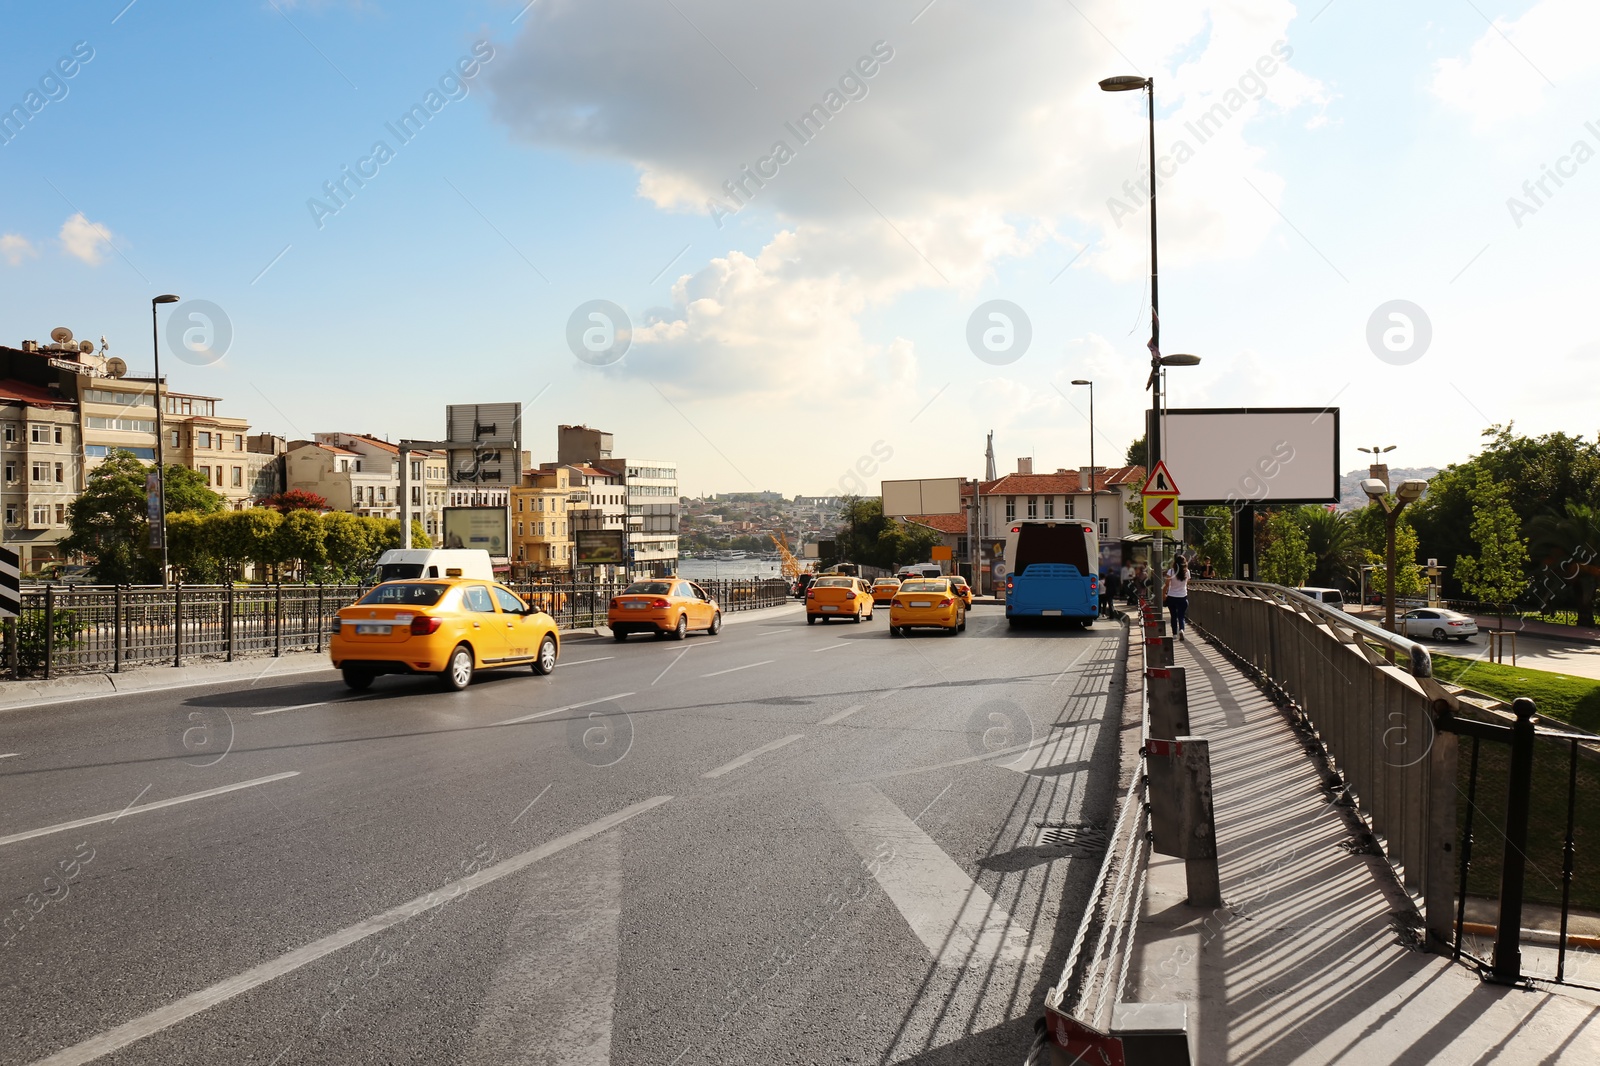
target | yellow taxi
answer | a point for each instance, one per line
(837, 596)
(451, 627)
(927, 602)
(883, 590)
(663, 606)
(963, 589)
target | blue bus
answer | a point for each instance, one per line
(1050, 572)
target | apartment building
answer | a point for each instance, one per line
(429, 481)
(1025, 495)
(41, 449)
(654, 508)
(339, 475)
(214, 445)
(545, 511)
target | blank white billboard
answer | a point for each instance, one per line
(1267, 455)
(940, 495)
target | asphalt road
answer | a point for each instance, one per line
(782, 844)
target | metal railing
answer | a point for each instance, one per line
(1369, 699)
(109, 628)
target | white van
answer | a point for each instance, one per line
(397, 564)
(920, 570)
(1332, 597)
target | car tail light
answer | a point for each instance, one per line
(660, 603)
(423, 624)
(1458, 623)
(810, 595)
(1094, 586)
(1010, 584)
(615, 603)
(947, 601)
(337, 622)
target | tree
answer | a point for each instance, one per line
(294, 500)
(187, 490)
(1568, 550)
(1331, 541)
(1138, 451)
(301, 539)
(1211, 536)
(870, 538)
(1371, 535)
(108, 525)
(192, 542)
(248, 536)
(1498, 573)
(347, 541)
(1286, 559)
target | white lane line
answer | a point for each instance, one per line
(670, 665)
(131, 802)
(308, 706)
(196, 1002)
(156, 806)
(11, 755)
(729, 767)
(529, 807)
(580, 662)
(735, 669)
(568, 707)
(834, 719)
(830, 647)
(959, 924)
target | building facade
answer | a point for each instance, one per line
(545, 511)
(41, 449)
(214, 445)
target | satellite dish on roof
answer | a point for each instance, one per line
(61, 335)
(116, 367)
(86, 347)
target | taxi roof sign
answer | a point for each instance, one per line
(1160, 482)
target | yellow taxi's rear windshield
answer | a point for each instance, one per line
(924, 586)
(835, 583)
(648, 588)
(406, 594)
(884, 583)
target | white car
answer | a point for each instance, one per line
(1437, 623)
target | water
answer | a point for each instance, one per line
(713, 570)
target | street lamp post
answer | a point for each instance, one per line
(161, 403)
(1409, 492)
(1094, 518)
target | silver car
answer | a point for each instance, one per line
(1437, 623)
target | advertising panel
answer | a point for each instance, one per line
(940, 495)
(1276, 455)
(599, 547)
(488, 528)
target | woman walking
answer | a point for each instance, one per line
(1176, 593)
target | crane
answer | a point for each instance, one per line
(790, 567)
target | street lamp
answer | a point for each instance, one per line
(161, 403)
(1094, 519)
(1377, 490)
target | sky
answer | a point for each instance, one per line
(765, 241)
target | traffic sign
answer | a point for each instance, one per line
(1160, 482)
(1160, 513)
(10, 584)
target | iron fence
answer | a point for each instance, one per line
(104, 628)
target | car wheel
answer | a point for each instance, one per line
(458, 674)
(963, 625)
(357, 679)
(716, 623)
(1438, 634)
(681, 630)
(546, 662)
(856, 618)
(811, 619)
(619, 635)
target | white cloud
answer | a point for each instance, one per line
(84, 240)
(16, 248)
(1508, 71)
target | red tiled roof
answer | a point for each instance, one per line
(375, 442)
(11, 389)
(945, 523)
(1063, 483)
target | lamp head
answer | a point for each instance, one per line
(1374, 488)
(1411, 489)
(1123, 82)
(1180, 360)
(167, 299)
(1081, 381)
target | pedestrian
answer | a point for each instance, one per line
(1112, 586)
(1127, 581)
(1176, 593)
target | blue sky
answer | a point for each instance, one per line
(1374, 163)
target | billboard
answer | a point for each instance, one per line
(1240, 455)
(940, 495)
(599, 547)
(485, 444)
(488, 528)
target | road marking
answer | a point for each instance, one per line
(529, 807)
(580, 662)
(196, 1002)
(308, 706)
(834, 719)
(568, 707)
(735, 669)
(830, 647)
(959, 924)
(11, 755)
(552, 991)
(729, 767)
(156, 806)
(670, 665)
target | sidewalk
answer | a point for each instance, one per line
(1307, 961)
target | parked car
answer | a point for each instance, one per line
(1438, 623)
(451, 627)
(838, 597)
(663, 606)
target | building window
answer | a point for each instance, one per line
(41, 515)
(1033, 507)
(61, 474)
(126, 425)
(41, 471)
(238, 477)
(11, 471)
(11, 514)
(1011, 508)
(177, 435)
(1067, 509)
(238, 442)
(11, 433)
(61, 514)
(1105, 527)
(58, 434)
(39, 434)
(383, 494)
(202, 439)
(1049, 506)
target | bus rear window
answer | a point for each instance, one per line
(1061, 543)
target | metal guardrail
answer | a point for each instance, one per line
(108, 628)
(1383, 725)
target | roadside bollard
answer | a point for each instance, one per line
(1168, 688)
(1178, 776)
(1157, 650)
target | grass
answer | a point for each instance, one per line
(1560, 697)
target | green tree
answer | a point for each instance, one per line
(192, 540)
(1370, 527)
(869, 538)
(248, 536)
(1498, 573)
(1137, 451)
(1331, 541)
(1568, 550)
(301, 540)
(108, 525)
(1286, 558)
(1209, 531)
(347, 540)
(187, 490)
